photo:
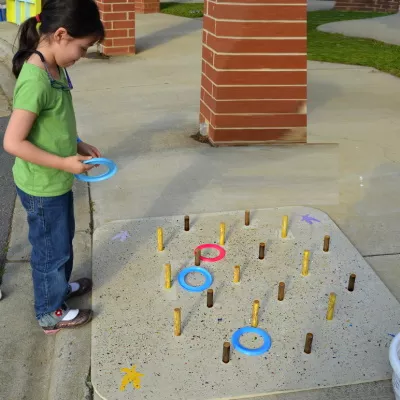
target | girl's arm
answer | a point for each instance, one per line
(16, 143)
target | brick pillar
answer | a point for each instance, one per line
(118, 17)
(254, 71)
(368, 5)
(147, 6)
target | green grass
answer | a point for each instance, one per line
(323, 46)
(342, 49)
(188, 10)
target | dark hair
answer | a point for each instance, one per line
(80, 18)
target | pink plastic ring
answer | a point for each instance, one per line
(219, 257)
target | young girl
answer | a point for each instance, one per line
(42, 135)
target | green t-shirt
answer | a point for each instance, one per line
(54, 131)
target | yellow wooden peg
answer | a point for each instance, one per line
(236, 274)
(167, 276)
(254, 317)
(177, 321)
(222, 233)
(331, 306)
(306, 262)
(285, 221)
(160, 241)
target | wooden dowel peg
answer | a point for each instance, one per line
(226, 352)
(327, 240)
(308, 345)
(352, 281)
(187, 227)
(222, 233)
(247, 218)
(177, 322)
(281, 291)
(331, 306)
(261, 252)
(285, 222)
(197, 255)
(210, 298)
(254, 316)
(160, 240)
(167, 276)
(236, 274)
(306, 262)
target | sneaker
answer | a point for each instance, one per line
(80, 287)
(72, 319)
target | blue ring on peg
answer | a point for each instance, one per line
(190, 288)
(251, 352)
(112, 170)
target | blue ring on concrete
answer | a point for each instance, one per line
(112, 170)
(203, 271)
(251, 352)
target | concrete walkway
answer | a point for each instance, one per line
(385, 29)
(141, 112)
(320, 5)
(33, 366)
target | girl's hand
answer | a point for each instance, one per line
(85, 149)
(75, 165)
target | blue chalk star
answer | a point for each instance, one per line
(309, 219)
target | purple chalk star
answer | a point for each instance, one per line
(309, 219)
(122, 236)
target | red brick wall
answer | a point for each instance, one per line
(368, 5)
(118, 17)
(254, 71)
(147, 6)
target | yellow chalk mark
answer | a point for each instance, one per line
(132, 376)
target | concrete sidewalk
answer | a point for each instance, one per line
(319, 5)
(33, 366)
(142, 110)
(385, 29)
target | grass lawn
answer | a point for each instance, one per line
(188, 10)
(323, 46)
(341, 49)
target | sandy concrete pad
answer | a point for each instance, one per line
(134, 322)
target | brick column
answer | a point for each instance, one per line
(368, 5)
(118, 17)
(147, 6)
(254, 71)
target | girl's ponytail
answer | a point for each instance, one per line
(28, 41)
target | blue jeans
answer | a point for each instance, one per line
(51, 231)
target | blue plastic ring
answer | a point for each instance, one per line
(204, 272)
(112, 170)
(251, 352)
